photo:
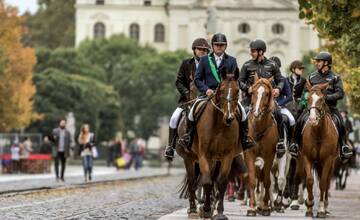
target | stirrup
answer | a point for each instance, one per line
(169, 153)
(346, 152)
(280, 149)
(294, 150)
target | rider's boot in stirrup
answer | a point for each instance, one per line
(169, 151)
(246, 141)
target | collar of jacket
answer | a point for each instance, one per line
(213, 56)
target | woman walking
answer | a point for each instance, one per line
(87, 142)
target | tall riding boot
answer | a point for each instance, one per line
(280, 147)
(186, 140)
(345, 151)
(246, 141)
(295, 142)
(169, 151)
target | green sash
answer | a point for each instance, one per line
(213, 69)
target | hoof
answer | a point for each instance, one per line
(309, 214)
(321, 215)
(231, 199)
(259, 210)
(251, 212)
(301, 201)
(220, 217)
(295, 207)
(204, 214)
(266, 212)
(240, 196)
(193, 216)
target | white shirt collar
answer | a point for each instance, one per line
(218, 57)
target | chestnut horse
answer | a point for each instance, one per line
(319, 147)
(217, 141)
(263, 129)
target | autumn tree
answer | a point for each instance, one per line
(16, 63)
(338, 22)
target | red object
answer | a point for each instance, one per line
(31, 157)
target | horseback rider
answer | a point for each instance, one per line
(284, 98)
(297, 85)
(334, 92)
(264, 68)
(207, 79)
(185, 77)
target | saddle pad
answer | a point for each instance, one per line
(199, 109)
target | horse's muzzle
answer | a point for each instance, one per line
(228, 120)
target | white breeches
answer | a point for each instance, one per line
(191, 113)
(291, 118)
(175, 117)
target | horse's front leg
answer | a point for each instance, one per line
(324, 186)
(267, 182)
(251, 182)
(309, 186)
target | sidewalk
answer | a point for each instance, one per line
(74, 175)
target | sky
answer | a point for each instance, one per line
(24, 5)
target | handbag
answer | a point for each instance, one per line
(95, 152)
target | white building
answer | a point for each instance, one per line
(174, 24)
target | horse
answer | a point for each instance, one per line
(217, 142)
(263, 129)
(342, 169)
(319, 147)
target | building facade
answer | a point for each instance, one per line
(174, 24)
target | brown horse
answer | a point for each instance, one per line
(263, 129)
(319, 147)
(217, 141)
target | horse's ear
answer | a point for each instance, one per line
(256, 77)
(270, 79)
(323, 87)
(308, 85)
(224, 73)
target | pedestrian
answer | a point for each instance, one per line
(87, 143)
(26, 148)
(15, 158)
(136, 151)
(46, 146)
(61, 148)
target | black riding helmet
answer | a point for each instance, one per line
(218, 38)
(326, 56)
(258, 45)
(200, 43)
(276, 60)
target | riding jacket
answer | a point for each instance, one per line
(185, 76)
(334, 91)
(285, 95)
(204, 78)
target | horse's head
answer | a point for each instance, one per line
(316, 102)
(261, 97)
(227, 94)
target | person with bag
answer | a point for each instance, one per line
(87, 150)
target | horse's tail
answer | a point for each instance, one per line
(187, 183)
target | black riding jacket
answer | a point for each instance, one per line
(264, 69)
(335, 89)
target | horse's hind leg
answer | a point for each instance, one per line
(324, 186)
(309, 186)
(205, 171)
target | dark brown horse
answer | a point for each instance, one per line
(263, 129)
(319, 147)
(217, 141)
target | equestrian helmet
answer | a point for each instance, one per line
(200, 43)
(326, 56)
(258, 45)
(218, 38)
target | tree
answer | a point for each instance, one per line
(53, 25)
(338, 22)
(16, 63)
(91, 101)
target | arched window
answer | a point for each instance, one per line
(278, 28)
(134, 31)
(159, 33)
(244, 28)
(100, 2)
(99, 30)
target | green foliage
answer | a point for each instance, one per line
(52, 26)
(90, 100)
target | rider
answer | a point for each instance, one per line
(185, 77)
(285, 97)
(264, 68)
(207, 78)
(297, 83)
(334, 92)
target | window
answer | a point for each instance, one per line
(159, 33)
(147, 2)
(244, 28)
(278, 28)
(135, 31)
(99, 30)
(100, 2)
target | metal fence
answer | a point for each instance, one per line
(7, 139)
